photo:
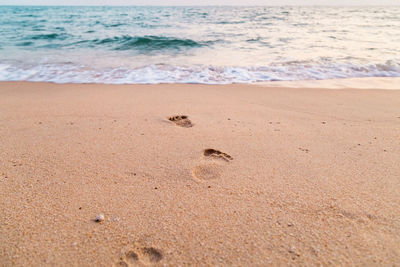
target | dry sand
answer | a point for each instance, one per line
(253, 176)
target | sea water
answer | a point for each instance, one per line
(212, 45)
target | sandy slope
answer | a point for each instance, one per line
(296, 176)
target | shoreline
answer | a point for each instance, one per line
(385, 83)
(264, 175)
(370, 83)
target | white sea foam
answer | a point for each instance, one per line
(153, 74)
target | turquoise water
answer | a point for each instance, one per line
(197, 44)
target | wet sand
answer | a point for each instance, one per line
(198, 175)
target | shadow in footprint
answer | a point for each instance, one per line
(210, 152)
(181, 120)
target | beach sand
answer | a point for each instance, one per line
(254, 175)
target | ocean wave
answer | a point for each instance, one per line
(230, 22)
(162, 73)
(144, 44)
(148, 43)
(28, 43)
(115, 25)
(48, 36)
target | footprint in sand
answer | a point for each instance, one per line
(210, 152)
(140, 255)
(181, 120)
(212, 165)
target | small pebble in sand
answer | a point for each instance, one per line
(293, 250)
(99, 218)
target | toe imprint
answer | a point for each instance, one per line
(210, 152)
(181, 120)
(131, 256)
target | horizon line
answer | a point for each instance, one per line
(271, 5)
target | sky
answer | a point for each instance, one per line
(203, 2)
